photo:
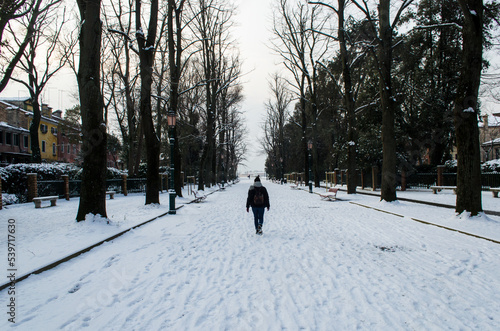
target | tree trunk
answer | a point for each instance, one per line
(174, 59)
(466, 110)
(36, 156)
(146, 58)
(388, 184)
(93, 188)
(349, 104)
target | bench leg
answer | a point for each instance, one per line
(53, 202)
(434, 191)
(112, 196)
(495, 194)
(38, 204)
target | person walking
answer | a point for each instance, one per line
(258, 199)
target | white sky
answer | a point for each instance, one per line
(254, 20)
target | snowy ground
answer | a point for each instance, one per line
(319, 265)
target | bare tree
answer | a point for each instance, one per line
(229, 97)
(123, 69)
(300, 44)
(175, 28)
(211, 24)
(466, 110)
(146, 47)
(13, 10)
(348, 93)
(93, 189)
(40, 62)
(277, 114)
(383, 57)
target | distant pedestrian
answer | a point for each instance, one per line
(258, 199)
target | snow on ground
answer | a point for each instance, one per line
(319, 266)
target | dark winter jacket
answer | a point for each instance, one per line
(251, 194)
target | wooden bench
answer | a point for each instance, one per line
(330, 195)
(495, 191)
(111, 194)
(294, 186)
(436, 189)
(198, 198)
(38, 201)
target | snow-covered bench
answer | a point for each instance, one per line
(436, 189)
(330, 195)
(38, 200)
(495, 191)
(198, 197)
(294, 186)
(111, 194)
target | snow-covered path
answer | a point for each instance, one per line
(319, 266)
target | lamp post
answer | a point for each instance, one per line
(281, 170)
(223, 169)
(171, 189)
(309, 148)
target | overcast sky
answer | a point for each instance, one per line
(253, 28)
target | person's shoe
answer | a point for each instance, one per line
(259, 230)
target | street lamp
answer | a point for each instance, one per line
(281, 170)
(223, 169)
(171, 189)
(309, 148)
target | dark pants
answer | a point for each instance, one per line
(258, 216)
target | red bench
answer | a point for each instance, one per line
(330, 195)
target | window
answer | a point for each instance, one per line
(54, 149)
(17, 142)
(8, 138)
(74, 149)
(43, 146)
(62, 148)
(68, 148)
(1, 137)
(497, 153)
(26, 141)
(54, 131)
(43, 128)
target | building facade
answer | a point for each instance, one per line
(58, 140)
(14, 135)
(489, 137)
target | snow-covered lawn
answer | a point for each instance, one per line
(319, 265)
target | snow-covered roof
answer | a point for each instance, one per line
(8, 105)
(491, 142)
(7, 99)
(8, 126)
(493, 120)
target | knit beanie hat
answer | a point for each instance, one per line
(257, 182)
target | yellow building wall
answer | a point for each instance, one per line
(50, 138)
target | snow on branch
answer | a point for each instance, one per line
(437, 26)
(323, 34)
(160, 97)
(323, 4)
(120, 33)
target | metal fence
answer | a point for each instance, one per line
(421, 180)
(138, 185)
(51, 187)
(56, 187)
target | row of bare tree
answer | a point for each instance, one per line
(136, 63)
(306, 32)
